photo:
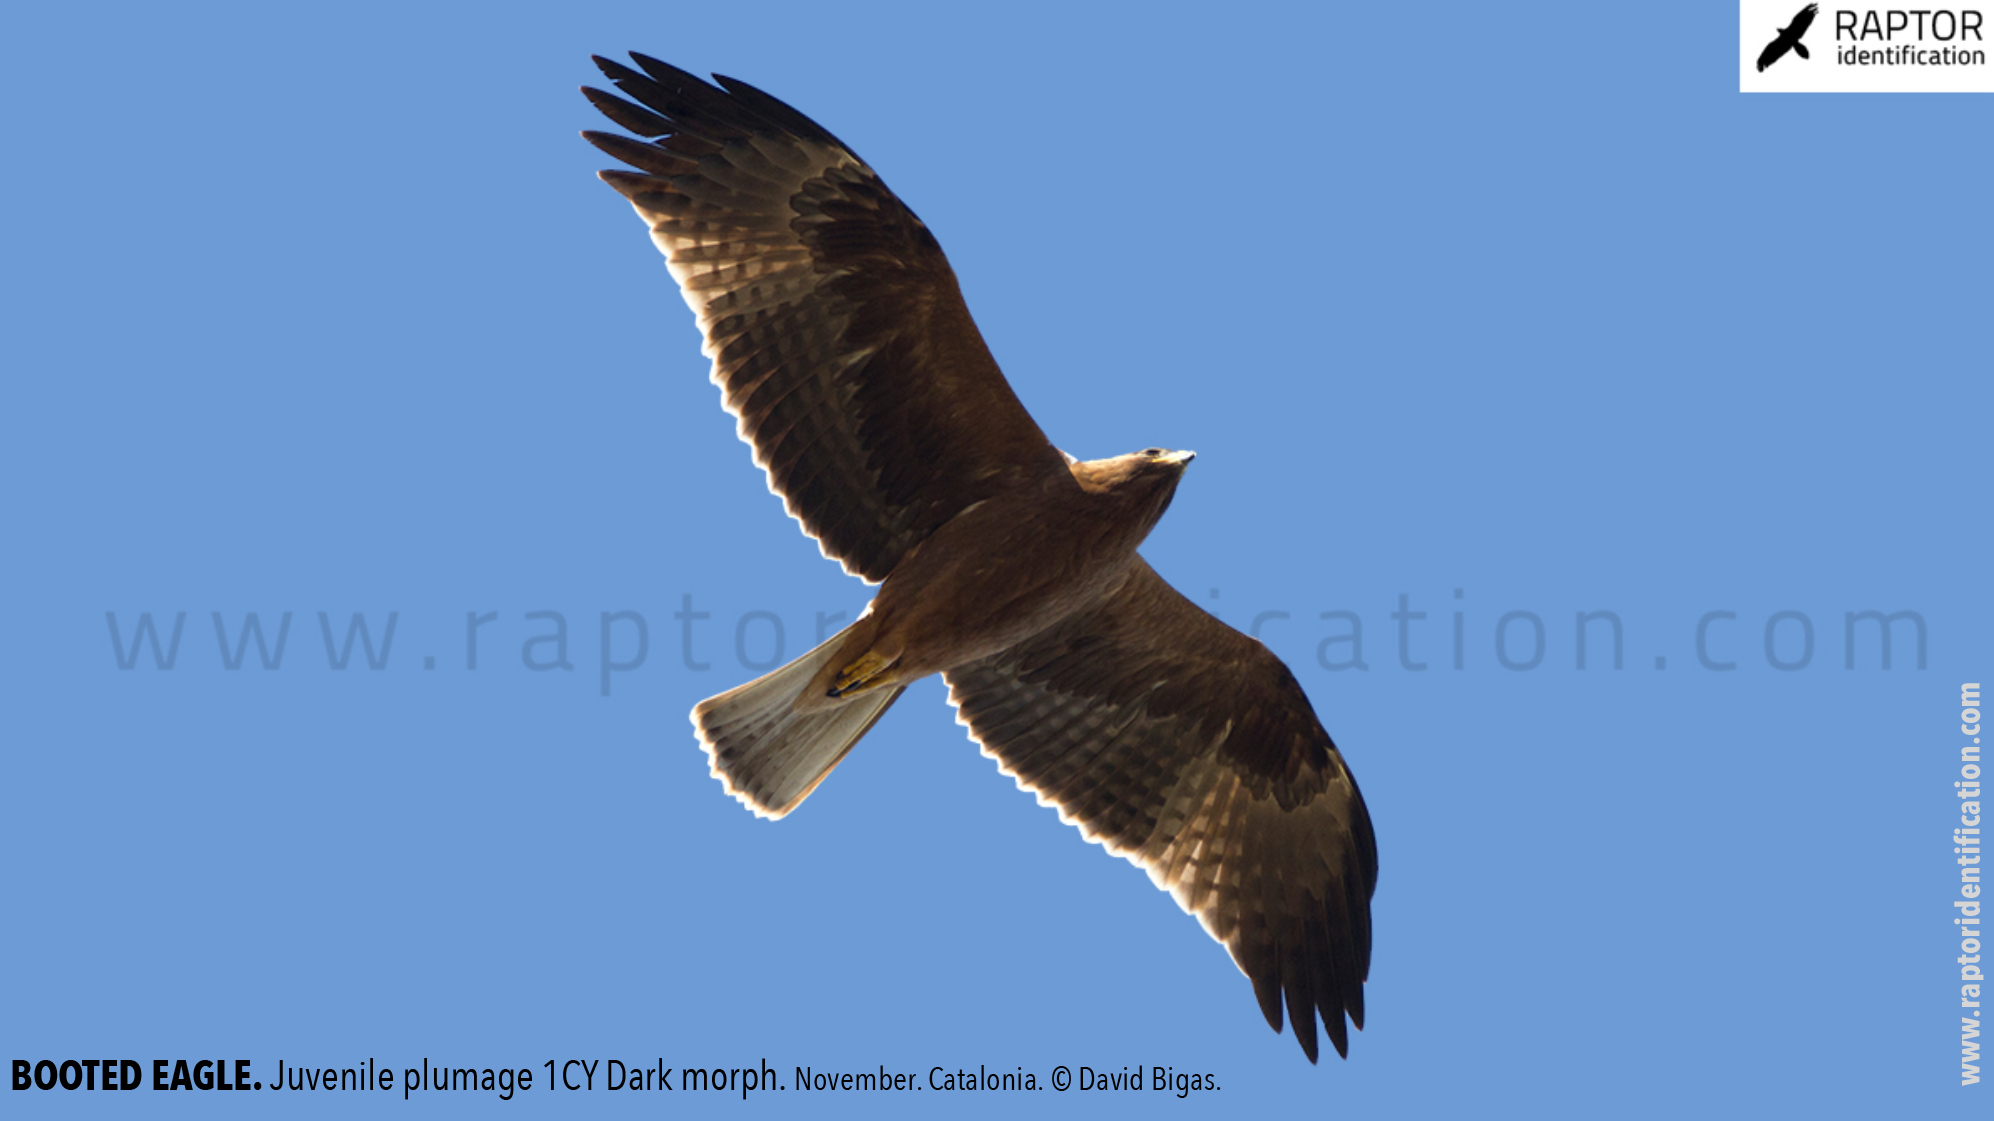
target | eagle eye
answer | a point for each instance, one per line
(1153, 453)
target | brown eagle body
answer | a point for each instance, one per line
(841, 343)
(1010, 567)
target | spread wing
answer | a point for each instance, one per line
(838, 334)
(1801, 22)
(1188, 748)
(1774, 50)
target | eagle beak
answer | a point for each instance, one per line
(1180, 458)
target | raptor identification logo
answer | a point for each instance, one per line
(1789, 46)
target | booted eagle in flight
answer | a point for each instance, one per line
(842, 345)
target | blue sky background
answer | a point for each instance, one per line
(324, 311)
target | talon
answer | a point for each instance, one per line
(859, 676)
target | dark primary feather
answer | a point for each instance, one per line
(838, 334)
(1188, 748)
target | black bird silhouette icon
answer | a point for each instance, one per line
(1789, 38)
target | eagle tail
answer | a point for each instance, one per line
(771, 746)
(1801, 50)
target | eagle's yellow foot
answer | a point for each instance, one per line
(859, 676)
